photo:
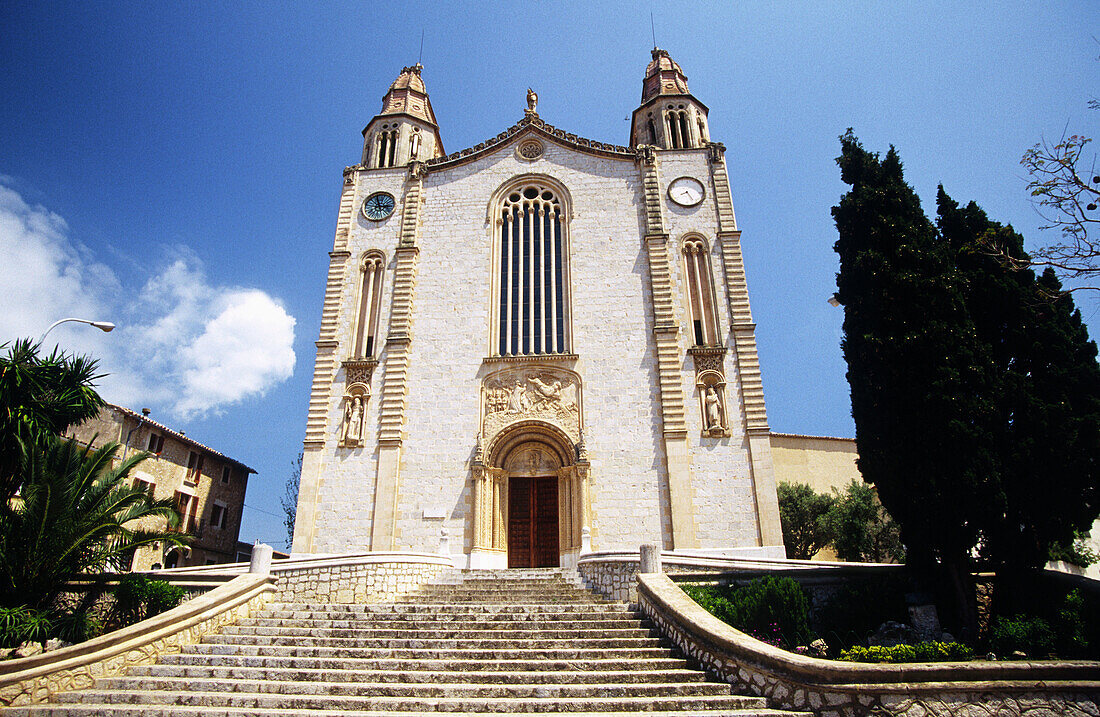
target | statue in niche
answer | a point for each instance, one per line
(353, 421)
(713, 405)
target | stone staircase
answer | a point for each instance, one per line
(478, 642)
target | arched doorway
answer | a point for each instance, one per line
(530, 498)
(532, 470)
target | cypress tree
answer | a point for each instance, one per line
(920, 378)
(1047, 394)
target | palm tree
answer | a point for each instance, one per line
(40, 397)
(77, 513)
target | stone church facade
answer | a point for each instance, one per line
(538, 346)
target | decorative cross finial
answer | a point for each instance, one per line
(532, 102)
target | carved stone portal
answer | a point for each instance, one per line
(526, 393)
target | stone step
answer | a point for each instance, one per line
(421, 654)
(541, 618)
(406, 704)
(97, 710)
(452, 622)
(415, 690)
(465, 609)
(341, 662)
(532, 642)
(384, 674)
(418, 632)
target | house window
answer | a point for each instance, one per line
(532, 273)
(144, 485)
(704, 320)
(226, 470)
(217, 515)
(156, 443)
(370, 304)
(187, 506)
(194, 466)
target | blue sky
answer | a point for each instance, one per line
(176, 167)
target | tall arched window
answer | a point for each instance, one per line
(533, 272)
(372, 268)
(704, 319)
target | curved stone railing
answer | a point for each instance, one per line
(845, 689)
(613, 573)
(34, 679)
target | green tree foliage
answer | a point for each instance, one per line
(804, 513)
(975, 387)
(1046, 393)
(860, 528)
(39, 398)
(920, 378)
(77, 513)
(289, 499)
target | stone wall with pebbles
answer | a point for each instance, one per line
(615, 576)
(32, 680)
(835, 689)
(348, 582)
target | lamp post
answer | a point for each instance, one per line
(104, 326)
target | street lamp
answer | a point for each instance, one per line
(104, 326)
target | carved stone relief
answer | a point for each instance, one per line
(525, 393)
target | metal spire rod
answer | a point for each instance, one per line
(652, 29)
(418, 60)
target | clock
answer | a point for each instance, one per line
(686, 191)
(378, 206)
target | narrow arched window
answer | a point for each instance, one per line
(372, 269)
(652, 130)
(704, 320)
(533, 272)
(387, 147)
(672, 123)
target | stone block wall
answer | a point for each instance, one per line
(364, 582)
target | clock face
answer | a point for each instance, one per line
(686, 191)
(378, 206)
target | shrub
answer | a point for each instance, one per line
(20, 624)
(77, 626)
(858, 608)
(137, 597)
(1071, 626)
(920, 652)
(770, 608)
(1024, 633)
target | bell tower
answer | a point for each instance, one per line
(669, 117)
(405, 129)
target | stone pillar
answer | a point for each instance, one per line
(649, 559)
(261, 559)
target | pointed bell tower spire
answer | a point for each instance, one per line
(405, 129)
(669, 117)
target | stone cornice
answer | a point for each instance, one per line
(536, 125)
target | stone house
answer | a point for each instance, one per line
(208, 487)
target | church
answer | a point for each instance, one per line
(538, 347)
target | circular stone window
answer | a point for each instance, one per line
(529, 150)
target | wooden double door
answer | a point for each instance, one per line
(533, 522)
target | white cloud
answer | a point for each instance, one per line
(182, 344)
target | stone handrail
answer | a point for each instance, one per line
(843, 689)
(33, 679)
(314, 561)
